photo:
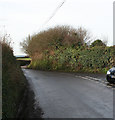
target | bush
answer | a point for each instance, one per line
(97, 43)
(54, 38)
(13, 83)
(66, 48)
(96, 59)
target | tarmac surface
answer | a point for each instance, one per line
(71, 95)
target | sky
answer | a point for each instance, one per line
(19, 18)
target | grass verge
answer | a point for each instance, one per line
(13, 83)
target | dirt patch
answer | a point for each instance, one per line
(27, 109)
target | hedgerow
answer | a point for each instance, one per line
(96, 59)
(13, 83)
(65, 48)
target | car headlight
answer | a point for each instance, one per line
(108, 72)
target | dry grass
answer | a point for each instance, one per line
(13, 82)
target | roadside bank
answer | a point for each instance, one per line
(17, 98)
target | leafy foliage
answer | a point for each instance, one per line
(13, 83)
(66, 48)
(54, 38)
(97, 59)
(97, 43)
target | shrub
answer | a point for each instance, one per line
(66, 48)
(54, 38)
(96, 59)
(13, 83)
(97, 43)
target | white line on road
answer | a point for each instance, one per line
(93, 78)
(85, 78)
(100, 81)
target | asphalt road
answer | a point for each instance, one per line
(71, 95)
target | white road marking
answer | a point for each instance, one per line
(106, 82)
(103, 84)
(109, 86)
(103, 81)
(93, 78)
(99, 81)
(84, 78)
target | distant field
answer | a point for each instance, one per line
(23, 61)
(26, 59)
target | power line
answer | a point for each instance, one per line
(55, 11)
(53, 14)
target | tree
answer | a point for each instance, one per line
(25, 44)
(54, 38)
(97, 43)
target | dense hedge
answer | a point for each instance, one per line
(13, 83)
(66, 48)
(95, 59)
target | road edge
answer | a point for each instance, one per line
(26, 108)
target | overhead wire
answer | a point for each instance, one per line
(52, 15)
(55, 11)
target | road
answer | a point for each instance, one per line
(71, 95)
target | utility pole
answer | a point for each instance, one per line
(114, 23)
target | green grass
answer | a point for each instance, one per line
(25, 59)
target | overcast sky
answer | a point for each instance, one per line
(23, 17)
